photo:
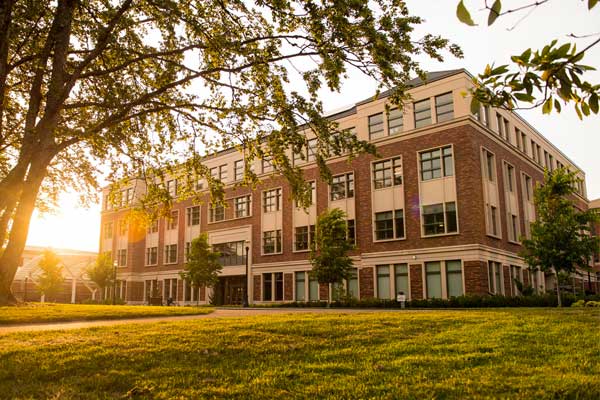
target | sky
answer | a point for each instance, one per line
(75, 227)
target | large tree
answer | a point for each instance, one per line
(144, 86)
(561, 239)
(202, 267)
(329, 257)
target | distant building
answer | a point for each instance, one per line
(595, 205)
(76, 288)
(439, 214)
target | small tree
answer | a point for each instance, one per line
(101, 272)
(51, 279)
(202, 267)
(328, 256)
(561, 237)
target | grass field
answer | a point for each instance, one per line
(46, 312)
(517, 353)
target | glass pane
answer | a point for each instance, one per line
(383, 282)
(454, 278)
(313, 290)
(401, 271)
(300, 286)
(434, 280)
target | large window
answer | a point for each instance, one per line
(383, 281)
(454, 284)
(216, 212)
(489, 165)
(353, 283)
(401, 278)
(303, 237)
(389, 225)
(267, 165)
(528, 187)
(433, 281)
(173, 220)
(495, 278)
(510, 178)
(313, 289)
(153, 227)
(231, 253)
(122, 257)
(311, 148)
(342, 186)
(123, 227)
(108, 230)
(376, 126)
(238, 170)
(351, 231)
(395, 121)
(219, 173)
(170, 254)
(151, 255)
(313, 194)
(439, 218)
(387, 173)
(272, 242)
(513, 229)
(242, 205)
(192, 216)
(267, 287)
(300, 278)
(444, 107)
(422, 113)
(493, 218)
(272, 200)
(436, 163)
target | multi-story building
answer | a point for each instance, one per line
(438, 214)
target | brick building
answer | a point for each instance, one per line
(438, 214)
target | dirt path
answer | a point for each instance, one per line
(218, 313)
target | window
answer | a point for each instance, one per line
(126, 197)
(389, 225)
(422, 113)
(171, 254)
(490, 165)
(503, 126)
(513, 221)
(267, 287)
(484, 116)
(108, 230)
(436, 163)
(444, 107)
(401, 278)
(122, 257)
(267, 166)
(238, 170)
(303, 237)
(278, 286)
(173, 220)
(192, 216)
(188, 248)
(383, 281)
(123, 227)
(495, 275)
(342, 186)
(395, 121)
(216, 212)
(172, 187)
(231, 253)
(351, 231)
(436, 221)
(219, 173)
(454, 284)
(311, 147)
(151, 255)
(242, 205)
(272, 242)
(272, 200)
(433, 280)
(528, 187)
(300, 285)
(510, 178)
(515, 274)
(376, 126)
(387, 173)
(523, 142)
(353, 283)
(153, 227)
(494, 220)
(313, 289)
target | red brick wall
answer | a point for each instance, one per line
(323, 291)
(416, 281)
(476, 277)
(367, 287)
(288, 286)
(135, 291)
(257, 288)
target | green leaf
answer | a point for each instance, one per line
(592, 3)
(593, 101)
(475, 106)
(494, 12)
(524, 97)
(578, 111)
(547, 107)
(463, 14)
(585, 109)
(557, 105)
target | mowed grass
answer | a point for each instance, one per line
(47, 312)
(517, 353)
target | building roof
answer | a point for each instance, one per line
(74, 262)
(595, 203)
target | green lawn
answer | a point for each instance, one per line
(516, 353)
(45, 312)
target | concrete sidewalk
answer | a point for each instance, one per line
(218, 313)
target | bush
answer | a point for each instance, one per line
(578, 303)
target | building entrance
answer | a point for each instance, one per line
(230, 290)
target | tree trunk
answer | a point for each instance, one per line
(10, 258)
(558, 289)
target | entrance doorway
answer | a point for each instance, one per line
(230, 290)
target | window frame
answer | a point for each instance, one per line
(424, 111)
(439, 106)
(147, 260)
(394, 225)
(442, 162)
(348, 185)
(379, 166)
(445, 216)
(395, 129)
(266, 207)
(380, 132)
(167, 252)
(191, 216)
(278, 244)
(247, 201)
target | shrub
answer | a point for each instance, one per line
(578, 303)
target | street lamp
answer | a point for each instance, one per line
(245, 299)
(115, 265)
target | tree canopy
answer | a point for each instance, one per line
(101, 272)
(202, 266)
(50, 281)
(561, 239)
(148, 87)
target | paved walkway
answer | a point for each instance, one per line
(218, 313)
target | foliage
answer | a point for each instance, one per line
(202, 266)
(45, 313)
(525, 290)
(536, 78)
(329, 252)
(508, 353)
(561, 238)
(50, 280)
(102, 271)
(150, 88)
